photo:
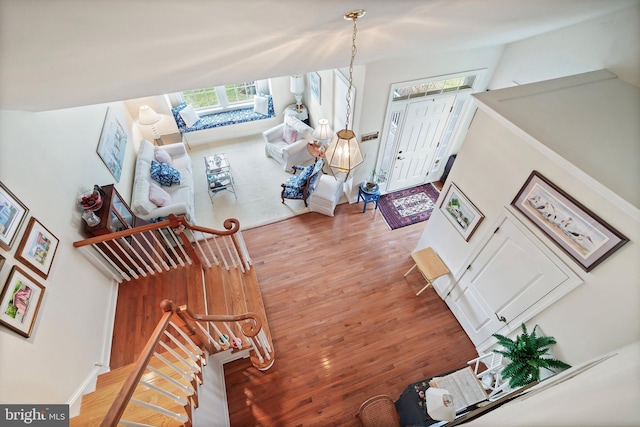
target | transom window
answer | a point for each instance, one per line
(220, 98)
(433, 88)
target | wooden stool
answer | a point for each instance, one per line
(429, 264)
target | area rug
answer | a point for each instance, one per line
(410, 206)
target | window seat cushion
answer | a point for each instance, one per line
(221, 119)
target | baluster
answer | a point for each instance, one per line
(137, 255)
(90, 251)
(178, 244)
(108, 244)
(127, 254)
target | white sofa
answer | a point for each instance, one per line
(180, 199)
(293, 153)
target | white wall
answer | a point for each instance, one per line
(492, 165)
(46, 160)
(609, 42)
(490, 169)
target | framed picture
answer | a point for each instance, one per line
(37, 248)
(314, 83)
(459, 210)
(12, 214)
(20, 301)
(576, 230)
(112, 145)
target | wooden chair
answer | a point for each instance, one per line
(378, 411)
(300, 186)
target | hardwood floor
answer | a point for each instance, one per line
(346, 324)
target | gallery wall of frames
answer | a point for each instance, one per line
(23, 287)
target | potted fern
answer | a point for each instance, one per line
(528, 354)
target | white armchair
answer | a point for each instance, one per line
(287, 143)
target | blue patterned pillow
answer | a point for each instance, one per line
(164, 174)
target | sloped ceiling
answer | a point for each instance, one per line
(64, 53)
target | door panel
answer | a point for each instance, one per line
(424, 124)
(510, 274)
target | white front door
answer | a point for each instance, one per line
(424, 124)
(510, 274)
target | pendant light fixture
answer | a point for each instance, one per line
(343, 154)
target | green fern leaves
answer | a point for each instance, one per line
(527, 354)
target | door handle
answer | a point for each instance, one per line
(501, 318)
(400, 158)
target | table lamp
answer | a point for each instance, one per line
(323, 132)
(296, 86)
(148, 117)
(440, 404)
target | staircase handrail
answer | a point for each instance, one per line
(232, 226)
(160, 246)
(248, 329)
(126, 392)
(125, 395)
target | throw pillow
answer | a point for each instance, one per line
(189, 116)
(164, 174)
(162, 156)
(158, 196)
(260, 105)
(290, 135)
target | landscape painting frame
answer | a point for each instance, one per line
(460, 212)
(20, 316)
(579, 232)
(12, 214)
(112, 145)
(37, 248)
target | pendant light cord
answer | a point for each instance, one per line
(353, 56)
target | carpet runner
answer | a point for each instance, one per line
(409, 206)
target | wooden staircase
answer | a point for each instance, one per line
(225, 313)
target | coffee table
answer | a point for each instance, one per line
(219, 176)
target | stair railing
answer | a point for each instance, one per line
(180, 352)
(178, 395)
(158, 247)
(236, 332)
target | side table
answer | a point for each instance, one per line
(219, 176)
(303, 115)
(368, 195)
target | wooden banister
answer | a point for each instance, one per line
(122, 399)
(250, 330)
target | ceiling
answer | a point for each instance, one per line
(65, 53)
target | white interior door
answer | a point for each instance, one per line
(424, 124)
(510, 274)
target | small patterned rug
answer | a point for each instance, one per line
(410, 206)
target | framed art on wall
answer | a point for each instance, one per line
(459, 210)
(575, 229)
(37, 248)
(314, 84)
(20, 301)
(12, 214)
(112, 144)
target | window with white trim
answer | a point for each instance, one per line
(221, 98)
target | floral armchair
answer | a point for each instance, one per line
(301, 185)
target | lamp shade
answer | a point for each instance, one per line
(440, 405)
(343, 153)
(296, 84)
(147, 116)
(323, 131)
